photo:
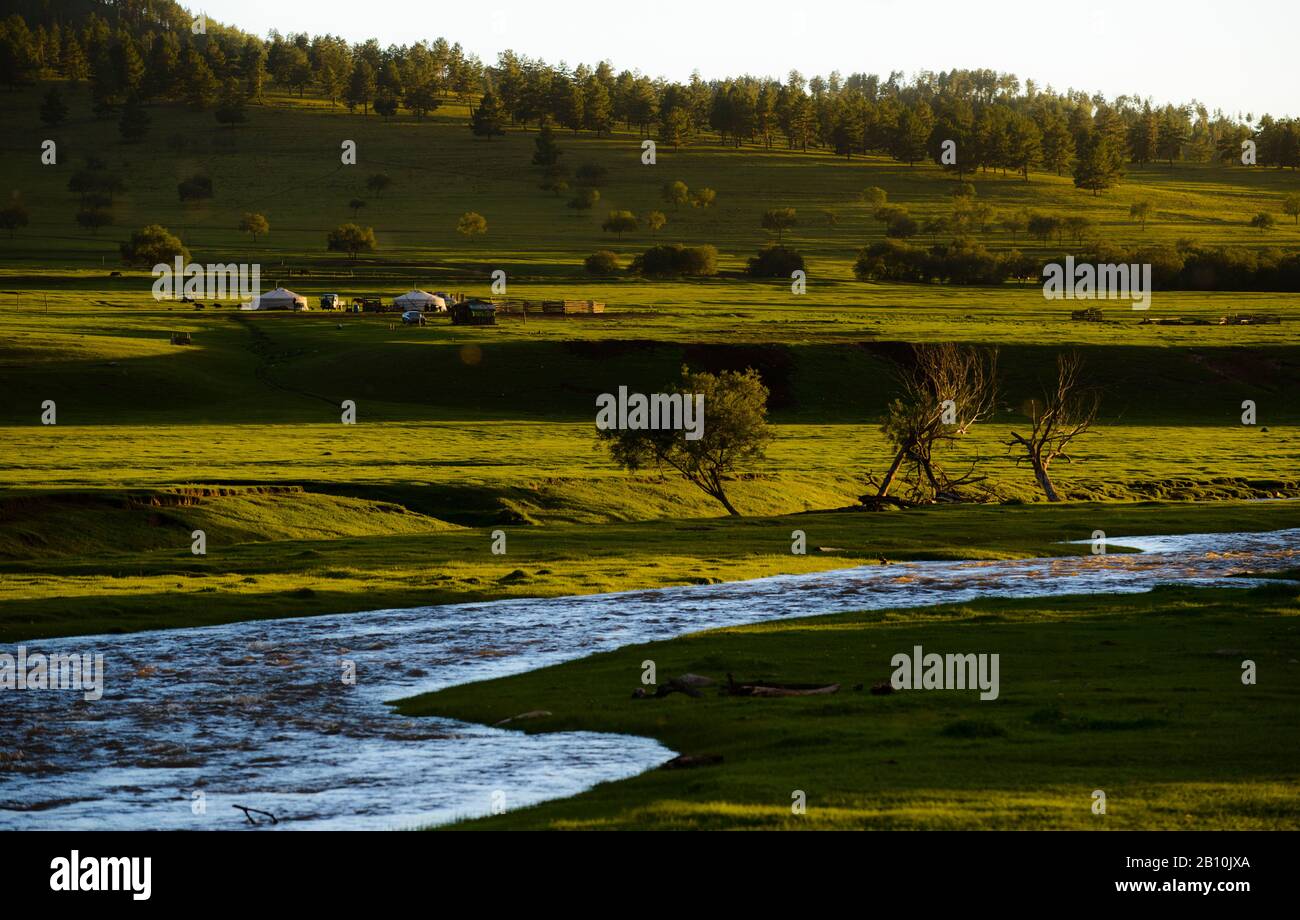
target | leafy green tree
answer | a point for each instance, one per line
(734, 433)
(1015, 223)
(1291, 206)
(471, 223)
(585, 199)
(421, 99)
(619, 222)
(554, 179)
(1140, 211)
(379, 183)
(14, 215)
(779, 220)
(875, 198)
(1043, 226)
(356, 204)
(703, 197)
(655, 221)
(93, 219)
(352, 239)
(254, 224)
(1263, 221)
(153, 245)
(676, 193)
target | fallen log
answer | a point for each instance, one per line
(768, 689)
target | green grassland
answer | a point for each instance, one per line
(1139, 696)
(462, 430)
(285, 163)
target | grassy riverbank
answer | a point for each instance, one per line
(279, 554)
(1138, 696)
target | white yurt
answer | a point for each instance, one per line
(280, 299)
(419, 300)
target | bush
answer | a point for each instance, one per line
(775, 262)
(601, 262)
(676, 259)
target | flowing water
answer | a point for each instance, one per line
(257, 714)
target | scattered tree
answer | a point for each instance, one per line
(734, 434)
(54, 111)
(13, 215)
(93, 219)
(1291, 206)
(546, 152)
(779, 220)
(1263, 221)
(875, 198)
(1140, 211)
(471, 223)
(1065, 412)
(676, 193)
(254, 225)
(619, 222)
(352, 239)
(486, 119)
(703, 197)
(153, 245)
(585, 199)
(946, 390)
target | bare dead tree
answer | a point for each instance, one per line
(946, 390)
(1065, 413)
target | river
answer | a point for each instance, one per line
(258, 714)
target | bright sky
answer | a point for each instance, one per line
(1236, 56)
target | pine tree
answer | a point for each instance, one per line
(485, 121)
(53, 109)
(546, 152)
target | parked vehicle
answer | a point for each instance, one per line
(413, 318)
(329, 301)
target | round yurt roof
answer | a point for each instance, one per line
(280, 295)
(415, 296)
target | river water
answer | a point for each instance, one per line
(258, 714)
